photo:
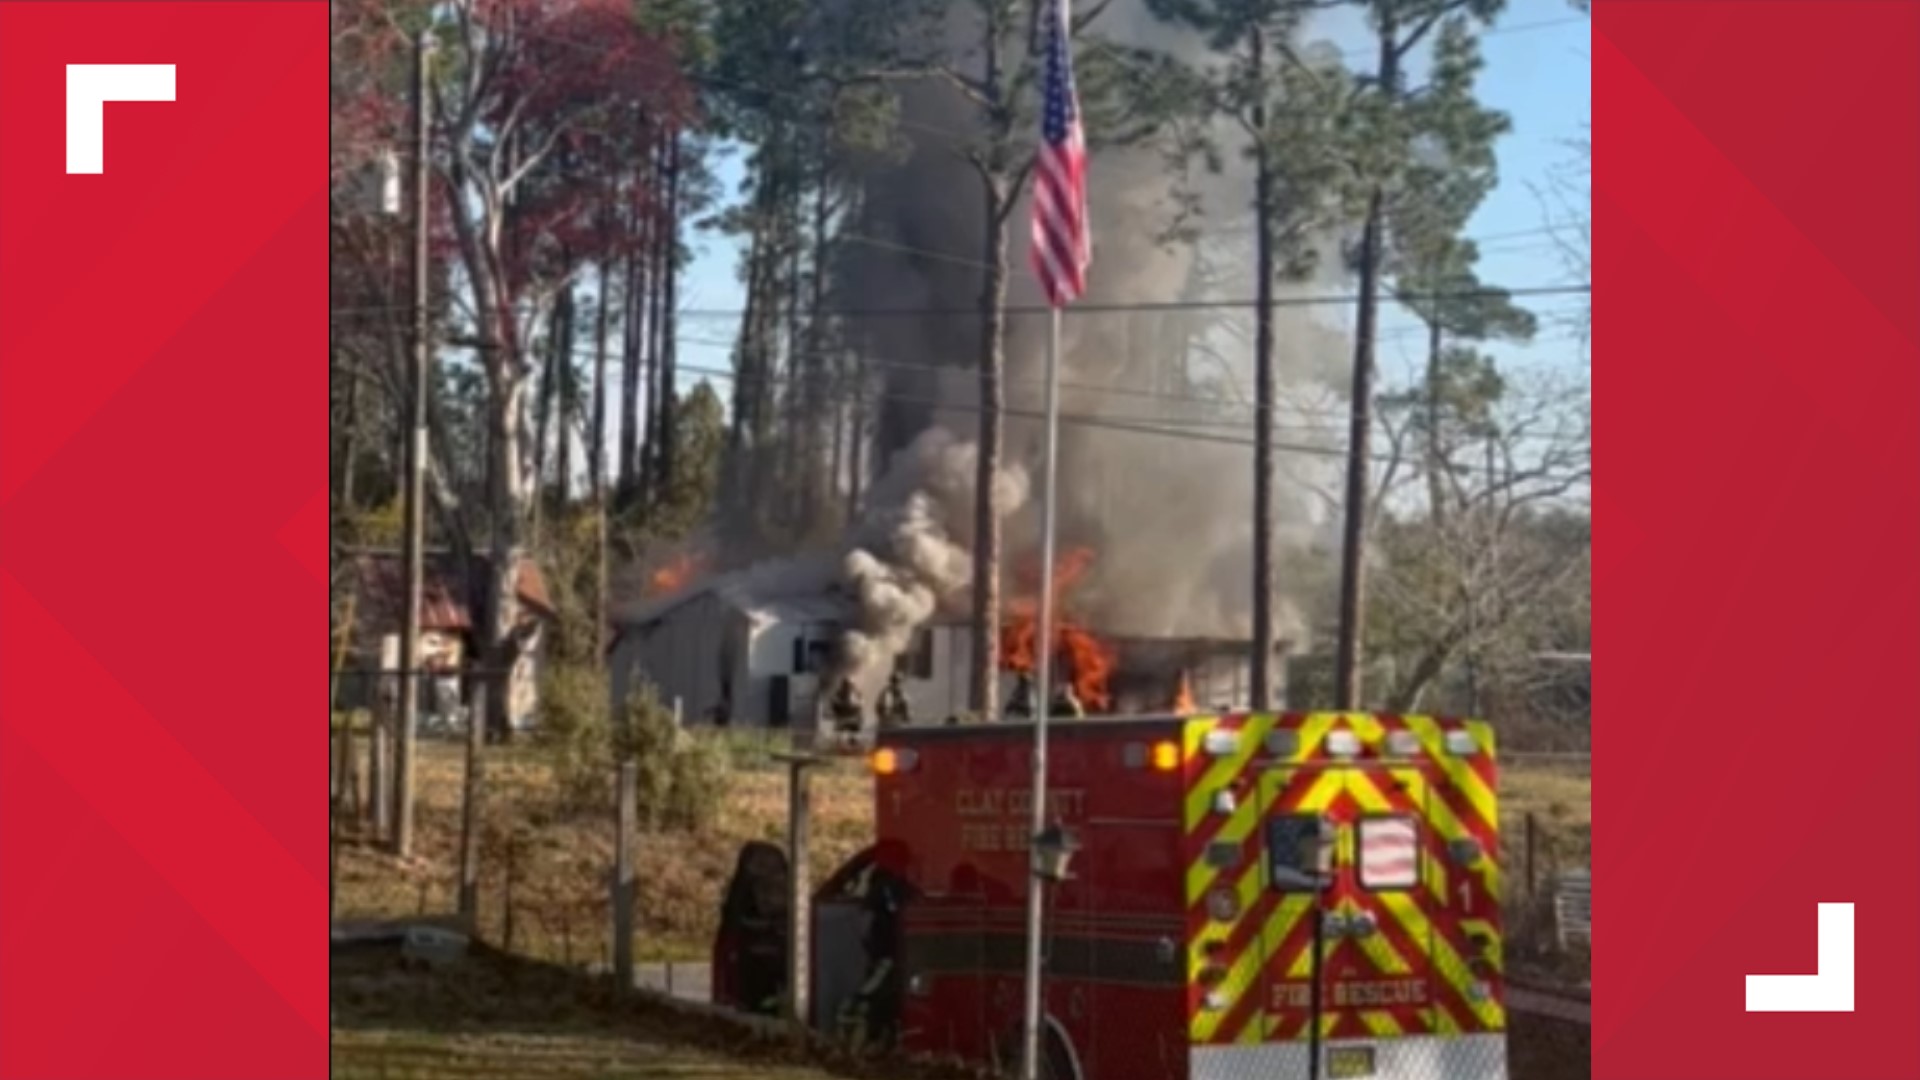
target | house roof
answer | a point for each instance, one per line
(379, 583)
(735, 591)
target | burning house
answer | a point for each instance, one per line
(728, 654)
(728, 651)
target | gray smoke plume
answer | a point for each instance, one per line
(912, 557)
(1155, 468)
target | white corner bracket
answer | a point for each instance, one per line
(1829, 989)
(89, 88)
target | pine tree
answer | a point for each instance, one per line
(1286, 107)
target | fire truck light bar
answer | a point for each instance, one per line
(1221, 743)
(1403, 744)
(1462, 744)
(887, 761)
(1343, 744)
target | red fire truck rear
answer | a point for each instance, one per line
(1233, 884)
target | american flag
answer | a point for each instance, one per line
(1389, 853)
(1062, 250)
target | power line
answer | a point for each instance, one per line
(1150, 427)
(1334, 418)
(1140, 306)
(1118, 307)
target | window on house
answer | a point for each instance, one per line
(917, 661)
(813, 652)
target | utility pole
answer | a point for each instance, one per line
(1353, 542)
(415, 539)
(1263, 624)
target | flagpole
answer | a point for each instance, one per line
(1043, 705)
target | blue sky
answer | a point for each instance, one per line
(1537, 71)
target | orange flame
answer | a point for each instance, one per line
(1089, 661)
(1183, 704)
(675, 575)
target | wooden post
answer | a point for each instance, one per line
(349, 772)
(333, 860)
(800, 897)
(380, 775)
(625, 827)
(470, 807)
(1533, 882)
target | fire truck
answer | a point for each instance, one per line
(1244, 896)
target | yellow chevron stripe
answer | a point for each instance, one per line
(1448, 964)
(1484, 927)
(1244, 968)
(1313, 731)
(1441, 816)
(1381, 1024)
(1247, 889)
(1478, 795)
(1223, 771)
(1205, 1023)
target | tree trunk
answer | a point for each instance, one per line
(633, 326)
(746, 384)
(668, 347)
(820, 475)
(1436, 482)
(857, 442)
(797, 358)
(1406, 696)
(836, 449)
(569, 407)
(1264, 642)
(985, 691)
(349, 451)
(509, 502)
(597, 464)
(658, 245)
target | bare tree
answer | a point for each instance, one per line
(1489, 582)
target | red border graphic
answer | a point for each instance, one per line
(163, 330)
(1757, 201)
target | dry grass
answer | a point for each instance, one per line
(492, 1017)
(546, 862)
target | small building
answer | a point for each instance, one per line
(723, 655)
(449, 642)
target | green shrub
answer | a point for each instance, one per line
(700, 771)
(679, 779)
(575, 731)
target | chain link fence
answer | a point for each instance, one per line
(1546, 824)
(524, 822)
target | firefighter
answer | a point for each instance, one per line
(892, 710)
(1021, 707)
(1067, 704)
(871, 1016)
(846, 708)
